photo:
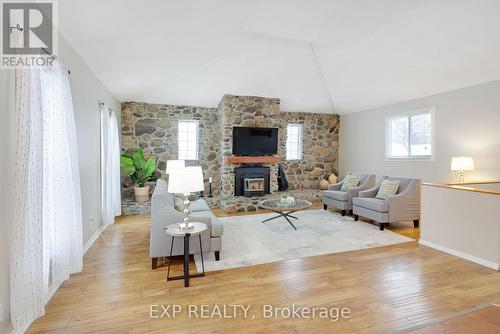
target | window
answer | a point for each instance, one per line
(188, 140)
(294, 142)
(410, 135)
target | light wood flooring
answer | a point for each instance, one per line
(386, 289)
(483, 321)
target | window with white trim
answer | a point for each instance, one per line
(410, 135)
(294, 141)
(188, 140)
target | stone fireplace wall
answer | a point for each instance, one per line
(153, 127)
(320, 146)
(248, 111)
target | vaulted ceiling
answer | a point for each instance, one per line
(358, 54)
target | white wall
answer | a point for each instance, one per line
(87, 91)
(476, 232)
(467, 124)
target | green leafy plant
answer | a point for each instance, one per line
(138, 168)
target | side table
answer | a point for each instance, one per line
(174, 231)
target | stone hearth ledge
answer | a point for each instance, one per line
(249, 204)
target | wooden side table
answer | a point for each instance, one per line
(174, 231)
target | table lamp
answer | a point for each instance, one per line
(185, 181)
(462, 164)
(174, 164)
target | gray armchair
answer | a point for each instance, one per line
(163, 213)
(404, 206)
(342, 200)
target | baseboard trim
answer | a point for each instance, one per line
(483, 262)
(93, 239)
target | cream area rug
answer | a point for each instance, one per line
(247, 241)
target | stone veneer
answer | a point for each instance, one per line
(320, 147)
(245, 111)
(153, 127)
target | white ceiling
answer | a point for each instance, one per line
(370, 53)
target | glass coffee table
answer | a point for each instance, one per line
(284, 210)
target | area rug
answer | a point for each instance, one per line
(247, 241)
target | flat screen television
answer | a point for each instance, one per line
(255, 141)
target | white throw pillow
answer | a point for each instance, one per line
(350, 182)
(387, 189)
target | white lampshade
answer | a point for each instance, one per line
(186, 180)
(462, 163)
(174, 164)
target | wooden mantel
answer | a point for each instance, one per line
(243, 159)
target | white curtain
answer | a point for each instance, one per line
(46, 234)
(62, 212)
(110, 155)
(26, 232)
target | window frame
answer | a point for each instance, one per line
(197, 139)
(300, 141)
(409, 115)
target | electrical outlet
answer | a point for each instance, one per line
(92, 222)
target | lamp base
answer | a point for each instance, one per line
(461, 178)
(186, 225)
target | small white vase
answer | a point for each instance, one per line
(290, 200)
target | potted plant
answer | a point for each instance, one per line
(141, 171)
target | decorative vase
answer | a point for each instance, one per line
(283, 199)
(286, 200)
(141, 194)
(323, 184)
(332, 178)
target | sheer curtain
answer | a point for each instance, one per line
(46, 234)
(110, 161)
(26, 232)
(62, 212)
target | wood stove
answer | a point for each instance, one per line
(251, 181)
(253, 185)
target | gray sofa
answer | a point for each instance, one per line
(163, 213)
(404, 206)
(342, 200)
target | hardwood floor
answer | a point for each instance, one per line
(484, 320)
(386, 289)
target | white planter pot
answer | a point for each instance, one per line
(141, 194)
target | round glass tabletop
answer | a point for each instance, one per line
(277, 205)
